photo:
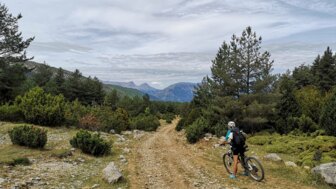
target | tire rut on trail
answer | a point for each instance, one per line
(160, 160)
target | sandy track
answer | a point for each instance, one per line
(162, 161)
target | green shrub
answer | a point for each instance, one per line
(219, 129)
(306, 124)
(145, 122)
(30, 136)
(260, 140)
(328, 115)
(41, 108)
(74, 111)
(10, 113)
(117, 120)
(90, 143)
(169, 117)
(196, 130)
(20, 161)
(180, 124)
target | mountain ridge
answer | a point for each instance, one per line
(177, 92)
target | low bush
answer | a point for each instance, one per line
(89, 122)
(196, 130)
(306, 124)
(74, 111)
(90, 143)
(30, 136)
(41, 108)
(220, 129)
(145, 122)
(180, 124)
(328, 115)
(10, 113)
(169, 117)
(117, 120)
(20, 161)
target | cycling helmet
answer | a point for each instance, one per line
(231, 125)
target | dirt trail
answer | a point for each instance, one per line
(163, 159)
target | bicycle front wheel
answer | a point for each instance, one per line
(255, 169)
(228, 163)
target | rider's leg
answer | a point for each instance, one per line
(235, 164)
(242, 157)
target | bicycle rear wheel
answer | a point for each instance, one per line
(228, 163)
(255, 169)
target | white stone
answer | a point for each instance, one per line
(290, 164)
(111, 173)
(273, 157)
(112, 131)
(327, 171)
(2, 180)
(95, 186)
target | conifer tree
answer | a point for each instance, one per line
(324, 69)
(240, 68)
(328, 115)
(12, 52)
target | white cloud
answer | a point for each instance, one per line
(168, 41)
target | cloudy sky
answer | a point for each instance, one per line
(163, 42)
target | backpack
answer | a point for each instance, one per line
(238, 138)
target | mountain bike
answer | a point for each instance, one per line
(252, 166)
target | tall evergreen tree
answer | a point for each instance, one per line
(42, 75)
(12, 44)
(328, 115)
(202, 93)
(240, 67)
(12, 52)
(111, 99)
(303, 76)
(255, 66)
(60, 80)
(324, 69)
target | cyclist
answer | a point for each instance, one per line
(237, 146)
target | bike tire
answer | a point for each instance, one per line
(261, 169)
(226, 162)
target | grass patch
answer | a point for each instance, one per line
(306, 148)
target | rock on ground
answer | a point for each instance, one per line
(111, 173)
(2, 181)
(290, 164)
(327, 171)
(273, 157)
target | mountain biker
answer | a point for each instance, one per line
(236, 147)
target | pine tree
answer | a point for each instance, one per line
(240, 67)
(324, 69)
(60, 80)
(303, 76)
(43, 75)
(12, 50)
(111, 99)
(73, 86)
(202, 93)
(256, 66)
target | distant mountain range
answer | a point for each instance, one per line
(178, 92)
